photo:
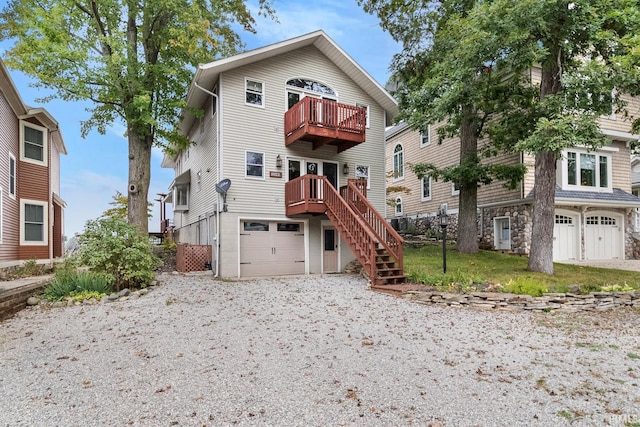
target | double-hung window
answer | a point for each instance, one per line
(33, 143)
(425, 138)
(12, 175)
(254, 92)
(362, 172)
(181, 197)
(33, 218)
(254, 165)
(587, 170)
(398, 163)
(426, 188)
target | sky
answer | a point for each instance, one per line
(97, 166)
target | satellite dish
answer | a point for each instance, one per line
(223, 186)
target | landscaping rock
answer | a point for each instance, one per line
(33, 301)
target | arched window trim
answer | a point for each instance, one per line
(310, 85)
(398, 162)
(399, 208)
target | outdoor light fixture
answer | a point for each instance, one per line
(345, 169)
(278, 161)
(444, 221)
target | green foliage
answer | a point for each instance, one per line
(119, 207)
(456, 281)
(526, 286)
(118, 249)
(71, 282)
(87, 295)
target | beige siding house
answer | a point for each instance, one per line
(596, 214)
(279, 123)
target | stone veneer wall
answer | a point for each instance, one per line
(595, 301)
(521, 223)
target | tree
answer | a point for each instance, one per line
(587, 54)
(443, 75)
(133, 59)
(119, 207)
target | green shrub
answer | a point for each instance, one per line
(526, 286)
(72, 283)
(114, 247)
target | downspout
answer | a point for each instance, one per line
(218, 143)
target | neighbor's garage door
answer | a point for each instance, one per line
(603, 237)
(271, 248)
(565, 237)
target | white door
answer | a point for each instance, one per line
(271, 248)
(602, 237)
(502, 230)
(565, 237)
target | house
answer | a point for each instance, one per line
(595, 212)
(31, 210)
(286, 171)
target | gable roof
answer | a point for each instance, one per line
(207, 74)
(23, 111)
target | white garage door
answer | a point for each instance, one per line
(565, 237)
(602, 237)
(271, 248)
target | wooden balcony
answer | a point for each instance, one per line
(305, 195)
(323, 122)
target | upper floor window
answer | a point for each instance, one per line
(181, 197)
(587, 171)
(33, 143)
(254, 165)
(366, 112)
(426, 188)
(455, 189)
(254, 92)
(12, 175)
(362, 172)
(398, 163)
(311, 86)
(425, 138)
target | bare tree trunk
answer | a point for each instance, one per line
(541, 255)
(467, 241)
(139, 179)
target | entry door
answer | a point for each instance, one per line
(503, 234)
(330, 170)
(330, 252)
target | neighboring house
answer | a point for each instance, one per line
(595, 211)
(284, 127)
(31, 210)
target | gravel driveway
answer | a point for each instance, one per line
(313, 351)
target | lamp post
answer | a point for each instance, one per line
(444, 221)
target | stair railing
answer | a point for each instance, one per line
(383, 231)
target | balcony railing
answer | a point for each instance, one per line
(323, 122)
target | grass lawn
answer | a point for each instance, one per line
(507, 273)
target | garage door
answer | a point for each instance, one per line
(271, 248)
(565, 237)
(602, 237)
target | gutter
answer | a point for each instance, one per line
(217, 210)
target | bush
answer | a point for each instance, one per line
(527, 286)
(114, 247)
(72, 283)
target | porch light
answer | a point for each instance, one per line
(278, 161)
(345, 169)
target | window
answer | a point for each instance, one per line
(289, 226)
(255, 165)
(362, 172)
(425, 138)
(398, 163)
(255, 226)
(587, 171)
(254, 92)
(455, 190)
(33, 230)
(426, 188)
(398, 206)
(181, 197)
(33, 146)
(311, 86)
(12, 175)
(366, 112)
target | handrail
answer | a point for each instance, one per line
(324, 113)
(361, 238)
(387, 236)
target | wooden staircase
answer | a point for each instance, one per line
(376, 245)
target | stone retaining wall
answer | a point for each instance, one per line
(14, 300)
(596, 301)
